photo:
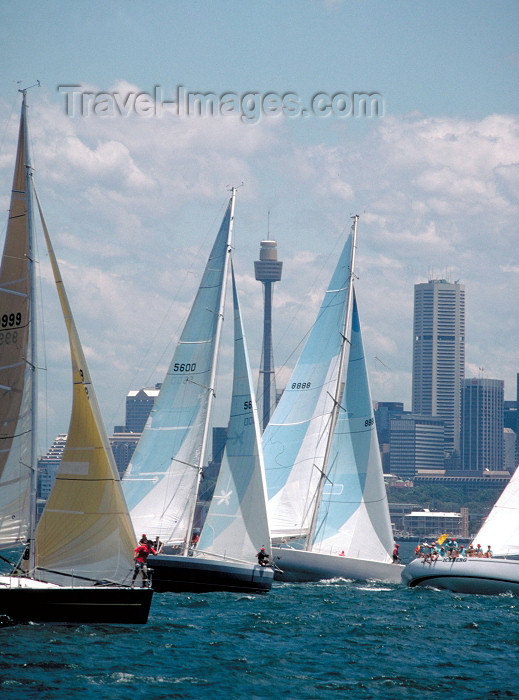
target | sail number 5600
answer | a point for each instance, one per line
(184, 367)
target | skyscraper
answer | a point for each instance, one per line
(482, 425)
(138, 406)
(267, 270)
(439, 354)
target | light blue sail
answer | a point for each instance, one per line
(236, 525)
(161, 481)
(322, 463)
(294, 442)
(353, 513)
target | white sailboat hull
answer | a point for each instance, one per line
(465, 575)
(299, 566)
(29, 600)
(202, 574)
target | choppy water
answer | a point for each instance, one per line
(326, 640)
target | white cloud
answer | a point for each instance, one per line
(133, 206)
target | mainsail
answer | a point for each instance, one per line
(236, 525)
(323, 470)
(17, 361)
(161, 481)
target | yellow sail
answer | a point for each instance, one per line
(16, 361)
(85, 529)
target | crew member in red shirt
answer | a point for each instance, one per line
(141, 557)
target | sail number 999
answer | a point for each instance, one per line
(10, 320)
(184, 367)
(300, 385)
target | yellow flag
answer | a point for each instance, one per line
(441, 539)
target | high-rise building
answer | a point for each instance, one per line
(138, 406)
(384, 411)
(439, 355)
(267, 270)
(416, 445)
(482, 411)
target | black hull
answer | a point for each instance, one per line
(64, 604)
(181, 574)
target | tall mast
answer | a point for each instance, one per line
(212, 379)
(334, 416)
(33, 465)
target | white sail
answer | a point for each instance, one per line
(85, 528)
(500, 530)
(236, 525)
(323, 469)
(161, 482)
(17, 363)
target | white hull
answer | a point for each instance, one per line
(23, 582)
(465, 575)
(299, 566)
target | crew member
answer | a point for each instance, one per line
(141, 557)
(263, 557)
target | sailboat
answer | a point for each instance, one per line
(498, 574)
(327, 502)
(162, 480)
(79, 556)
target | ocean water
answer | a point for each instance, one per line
(337, 639)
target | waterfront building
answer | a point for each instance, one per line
(427, 524)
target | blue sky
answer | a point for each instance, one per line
(133, 202)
